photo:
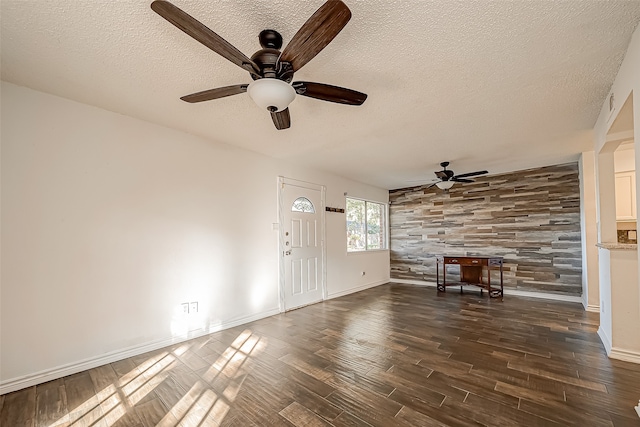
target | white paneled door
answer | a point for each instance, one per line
(301, 243)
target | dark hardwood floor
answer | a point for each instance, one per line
(395, 355)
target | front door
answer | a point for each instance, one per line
(301, 243)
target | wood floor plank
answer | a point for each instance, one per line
(235, 418)
(415, 418)
(82, 402)
(51, 403)
(394, 355)
(565, 414)
(277, 366)
(367, 406)
(403, 386)
(558, 377)
(488, 412)
(300, 416)
(170, 392)
(345, 419)
(151, 412)
(19, 408)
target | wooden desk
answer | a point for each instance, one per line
(471, 268)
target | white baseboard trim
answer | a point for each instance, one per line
(543, 295)
(593, 308)
(605, 340)
(515, 292)
(357, 289)
(625, 355)
(589, 307)
(414, 282)
(18, 383)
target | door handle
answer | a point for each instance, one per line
(287, 253)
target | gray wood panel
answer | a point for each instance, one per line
(530, 217)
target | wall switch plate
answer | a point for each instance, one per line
(193, 307)
(185, 307)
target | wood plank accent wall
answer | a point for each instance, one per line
(530, 217)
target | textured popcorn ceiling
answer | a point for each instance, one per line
(500, 85)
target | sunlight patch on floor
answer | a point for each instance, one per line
(199, 406)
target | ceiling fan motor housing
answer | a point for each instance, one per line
(267, 57)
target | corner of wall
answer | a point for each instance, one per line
(606, 341)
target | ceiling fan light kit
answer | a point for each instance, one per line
(271, 94)
(444, 185)
(272, 70)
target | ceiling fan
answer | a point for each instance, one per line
(448, 177)
(272, 70)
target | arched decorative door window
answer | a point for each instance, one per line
(302, 204)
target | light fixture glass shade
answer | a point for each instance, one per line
(271, 94)
(444, 185)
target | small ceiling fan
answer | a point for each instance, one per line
(448, 177)
(272, 70)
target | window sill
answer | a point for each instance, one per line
(370, 251)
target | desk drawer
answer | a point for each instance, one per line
(466, 261)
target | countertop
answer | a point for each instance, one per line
(618, 246)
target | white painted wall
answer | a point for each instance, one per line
(589, 230)
(109, 223)
(625, 158)
(605, 330)
(626, 84)
(624, 313)
(619, 316)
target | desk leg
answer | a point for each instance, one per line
(501, 284)
(444, 277)
(498, 293)
(489, 278)
(441, 287)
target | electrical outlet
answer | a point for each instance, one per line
(185, 308)
(193, 307)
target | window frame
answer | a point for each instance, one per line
(385, 211)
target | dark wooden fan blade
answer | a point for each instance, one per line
(203, 34)
(316, 33)
(220, 92)
(281, 119)
(466, 175)
(456, 179)
(442, 174)
(329, 93)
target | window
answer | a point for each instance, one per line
(366, 225)
(302, 204)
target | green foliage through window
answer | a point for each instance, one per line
(366, 225)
